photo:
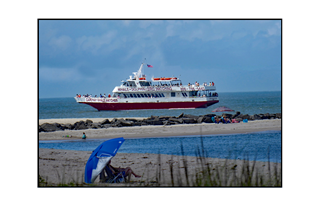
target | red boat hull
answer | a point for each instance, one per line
(140, 106)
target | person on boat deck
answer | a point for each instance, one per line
(84, 136)
(188, 84)
(109, 95)
(126, 172)
(100, 95)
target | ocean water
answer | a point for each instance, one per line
(261, 146)
(252, 146)
(245, 102)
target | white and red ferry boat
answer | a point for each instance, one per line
(159, 93)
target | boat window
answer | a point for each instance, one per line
(156, 95)
(173, 94)
(193, 93)
(138, 95)
(135, 95)
(131, 95)
(144, 83)
(141, 95)
(125, 84)
(149, 95)
(132, 84)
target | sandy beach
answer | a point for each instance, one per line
(67, 166)
(157, 131)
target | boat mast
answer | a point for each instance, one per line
(139, 73)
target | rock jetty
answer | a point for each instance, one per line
(153, 120)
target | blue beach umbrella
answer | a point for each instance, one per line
(100, 157)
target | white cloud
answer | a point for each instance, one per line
(63, 42)
(126, 22)
(272, 31)
(146, 23)
(170, 30)
(59, 74)
(93, 43)
(178, 28)
(275, 30)
(239, 34)
(214, 22)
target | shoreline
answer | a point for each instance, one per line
(158, 131)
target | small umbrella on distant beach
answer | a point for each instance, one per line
(222, 109)
(100, 157)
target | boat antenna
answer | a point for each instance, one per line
(145, 60)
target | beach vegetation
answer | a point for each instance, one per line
(202, 173)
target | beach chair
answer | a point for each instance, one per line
(114, 178)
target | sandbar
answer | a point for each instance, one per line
(157, 131)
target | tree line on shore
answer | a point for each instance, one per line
(153, 120)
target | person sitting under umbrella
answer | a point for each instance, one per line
(113, 172)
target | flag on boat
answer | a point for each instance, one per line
(149, 66)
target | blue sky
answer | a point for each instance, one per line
(93, 56)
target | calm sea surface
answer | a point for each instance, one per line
(245, 102)
(253, 146)
(250, 146)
